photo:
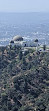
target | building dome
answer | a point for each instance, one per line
(17, 38)
(11, 41)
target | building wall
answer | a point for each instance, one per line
(24, 43)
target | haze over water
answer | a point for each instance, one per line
(30, 25)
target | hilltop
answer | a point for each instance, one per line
(24, 80)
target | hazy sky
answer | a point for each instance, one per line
(24, 5)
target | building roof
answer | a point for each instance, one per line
(17, 38)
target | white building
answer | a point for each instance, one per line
(19, 41)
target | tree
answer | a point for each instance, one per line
(44, 47)
(24, 61)
(36, 41)
(20, 55)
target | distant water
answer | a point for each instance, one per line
(29, 25)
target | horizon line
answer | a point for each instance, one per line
(24, 12)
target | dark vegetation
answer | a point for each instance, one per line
(24, 80)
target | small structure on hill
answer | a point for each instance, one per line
(19, 41)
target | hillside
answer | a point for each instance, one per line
(24, 80)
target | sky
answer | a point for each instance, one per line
(24, 5)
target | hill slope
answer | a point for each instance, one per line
(24, 80)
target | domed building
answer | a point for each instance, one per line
(17, 38)
(18, 41)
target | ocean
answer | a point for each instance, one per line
(29, 25)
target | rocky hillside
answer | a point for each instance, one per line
(24, 80)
